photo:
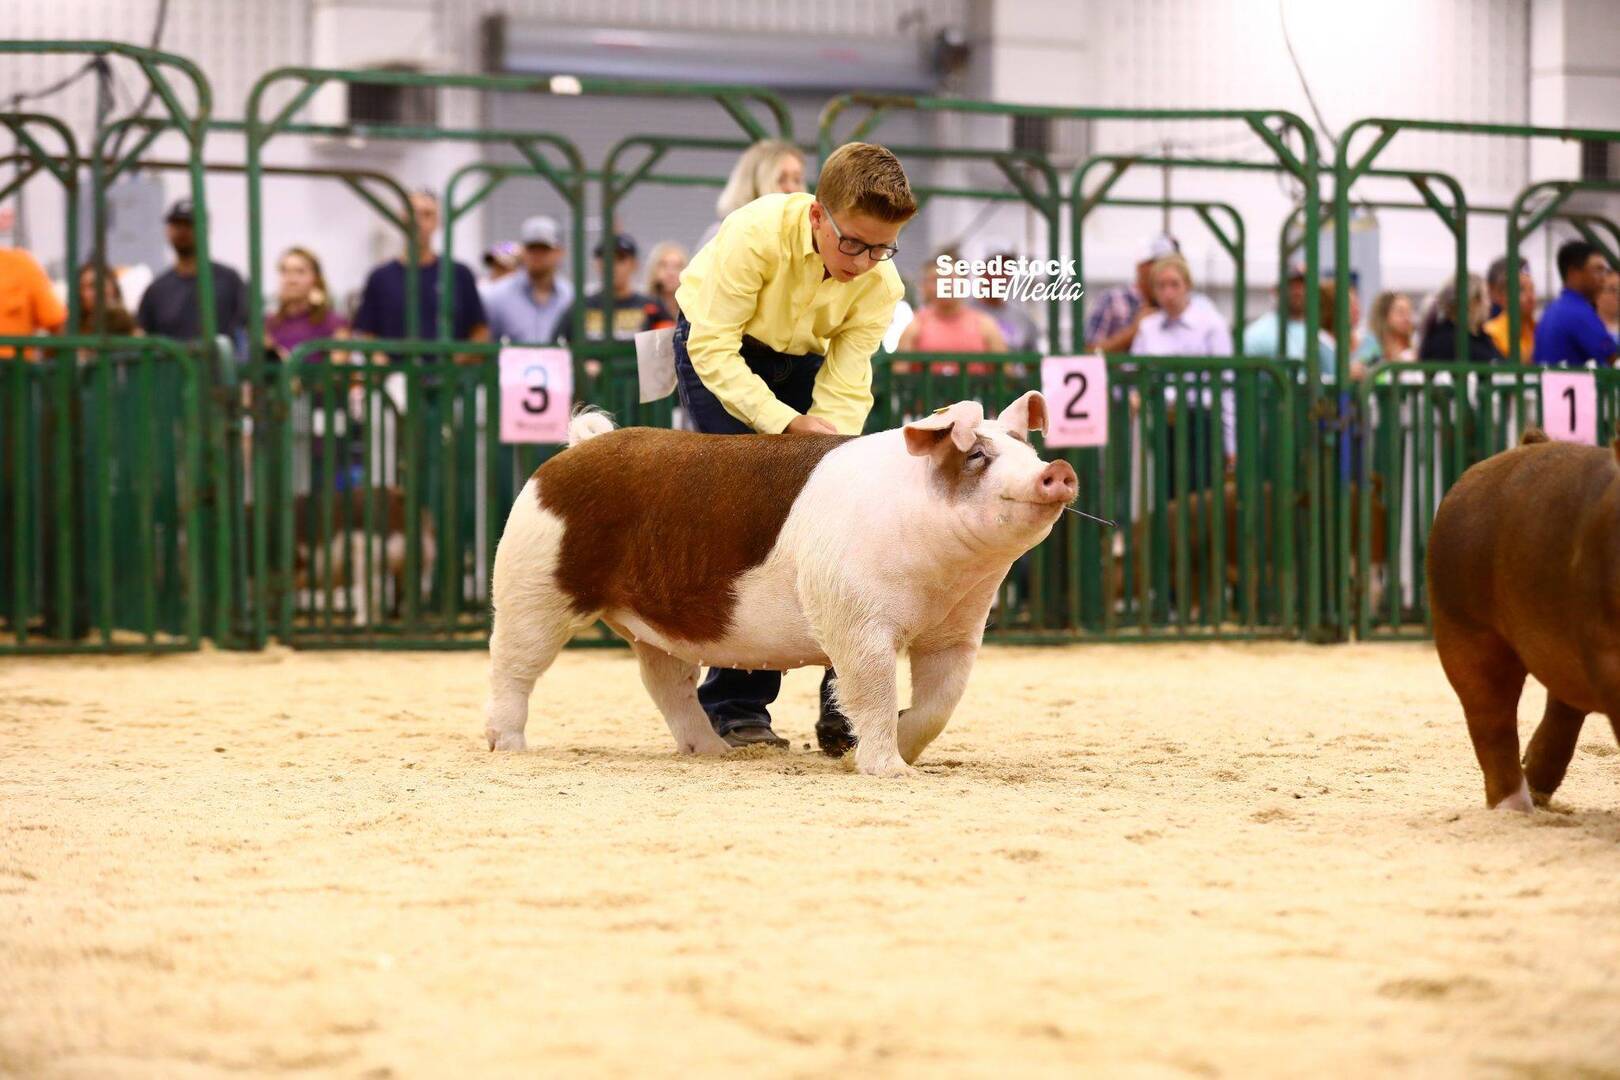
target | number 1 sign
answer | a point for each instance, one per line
(1076, 391)
(1569, 406)
(537, 394)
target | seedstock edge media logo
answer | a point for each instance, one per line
(1003, 278)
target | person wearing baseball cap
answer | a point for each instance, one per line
(169, 307)
(530, 307)
(502, 259)
(1111, 325)
(1261, 337)
(633, 311)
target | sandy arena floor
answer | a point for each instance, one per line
(1139, 861)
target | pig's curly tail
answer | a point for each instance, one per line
(587, 423)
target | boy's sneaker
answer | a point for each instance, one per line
(754, 734)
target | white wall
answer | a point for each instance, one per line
(1446, 59)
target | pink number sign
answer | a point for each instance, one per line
(1569, 406)
(537, 394)
(1076, 391)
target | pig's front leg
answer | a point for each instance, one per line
(865, 659)
(937, 681)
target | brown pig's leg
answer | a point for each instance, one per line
(1488, 677)
(1551, 747)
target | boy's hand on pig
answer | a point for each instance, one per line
(810, 425)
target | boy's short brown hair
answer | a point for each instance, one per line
(868, 179)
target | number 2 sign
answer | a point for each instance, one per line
(1569, 406)
(1076, 391)
(537, 394)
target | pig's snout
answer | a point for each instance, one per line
(1057, 483)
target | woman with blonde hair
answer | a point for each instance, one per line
(770, 165)
(664, 265)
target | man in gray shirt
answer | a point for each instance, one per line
(529, 307)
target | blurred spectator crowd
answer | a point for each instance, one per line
(524, 295)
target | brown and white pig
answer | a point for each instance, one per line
(1524, 578)
(775, 552)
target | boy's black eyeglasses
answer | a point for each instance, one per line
(855, 248)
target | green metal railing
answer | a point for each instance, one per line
(362, 503)
(191, 124)
(1083, 202)
(101, 466)
(230, 463)
(36, 158)
(391, 556)
(1425, 425)
(1349, 166)
(736, 101)
(1558, 192)
(1303, 165)
(162, 71)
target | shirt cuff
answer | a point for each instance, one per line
(774, 417)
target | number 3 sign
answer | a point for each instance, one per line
(537, 394)
(1569, 406)
(1076, 391)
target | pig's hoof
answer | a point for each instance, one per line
(712, 746)
(1520, 800)
(505, 740)
(887, 767)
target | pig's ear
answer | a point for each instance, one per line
(958, 421)
(1026, 414)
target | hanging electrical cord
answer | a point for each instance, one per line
(17, 100)
(1310, 97)
(1288, 42)
(158, 25)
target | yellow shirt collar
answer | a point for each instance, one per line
(807, 239)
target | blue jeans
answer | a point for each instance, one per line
(791, 378)
(734, 698)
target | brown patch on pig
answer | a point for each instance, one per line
(1532, 435)
(953, 476)
(662, 523)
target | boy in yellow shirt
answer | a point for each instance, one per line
(780, 315)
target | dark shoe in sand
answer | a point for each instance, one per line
(755, 735)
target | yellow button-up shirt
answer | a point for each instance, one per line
(761, 277)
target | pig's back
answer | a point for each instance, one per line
(663, 522)
(1501, 549)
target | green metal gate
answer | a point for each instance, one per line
(100, 479)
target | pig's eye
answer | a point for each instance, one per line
(977, 455)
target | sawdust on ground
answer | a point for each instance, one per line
(1203, 859)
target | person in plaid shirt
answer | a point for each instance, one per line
(1111, 326)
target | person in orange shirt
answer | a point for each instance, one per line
(27, 306)
(27, 303)
(1497, 328)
